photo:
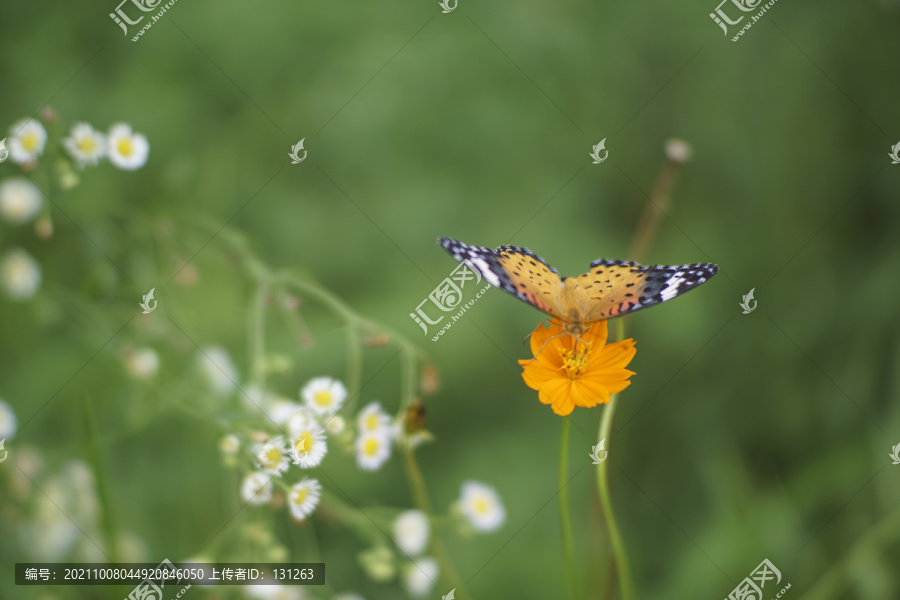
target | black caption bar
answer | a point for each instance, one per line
(169, 574)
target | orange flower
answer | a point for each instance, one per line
(569, 373)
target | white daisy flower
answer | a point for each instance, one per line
(86, 145)
(8, 421)
(229, 444)
(20, 200)
(142, 363)
(308, 444)
(411, 532)
(218, 369)
(372, 450)
(20, 274)
(481, 506)
(420, 576)
(304, 497)
(373, 418)
(280, 410)
(273, 456)
(335, 425)
(257, 488)
(127, 150)
(27, 140)
(324, 395)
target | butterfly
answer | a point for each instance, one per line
(612, 288)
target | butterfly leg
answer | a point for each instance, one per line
(544, 345)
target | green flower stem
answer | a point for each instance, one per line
(565, 518)
(107, 518)
(420, 496)
(258, 335)
(615, 537)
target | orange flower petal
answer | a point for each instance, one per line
(556, 393)
(598, 393)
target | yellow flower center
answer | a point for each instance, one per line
(271, 457)
(481, 505)
(372, 421)
(300, 495)
(304, 442)
(30, 142)
(574, 362)
(370, 448)
(323, 398)
(88, 145)
(126, 148)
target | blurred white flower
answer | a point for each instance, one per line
(85, 145)
(273, 457)
(481, 506)
(304, 498)
(218, 369)
(299, 419)
(372, 450)
(411, 532)
(347, 596)
(20, 200)
(373, 418)
(259, 591)
(335, 425)
(142, 363)
(127, 150)
(324, 395)
(420, 576)
(229, 445)
(308, 444)
(257, 488)
(8, 422)
(68, 497)
(280, 410)
(20, 273)
(27, 140)
(678, 151)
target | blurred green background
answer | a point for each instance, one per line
(742, 437)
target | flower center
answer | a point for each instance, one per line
(300, 495)
(370, 448)
(30, 142)
(481, 505)
(574, 362)
(88, 145)
(304, 443)
(271, 457)
(323, 398)
(372, 421)
(125, 147)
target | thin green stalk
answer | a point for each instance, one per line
(107, 519)
(420, 496)
(258, 335)
(615, 537)
(565, 518)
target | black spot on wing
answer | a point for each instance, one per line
(526, 252)
(484, 260)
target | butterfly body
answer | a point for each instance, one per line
(611, 288)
